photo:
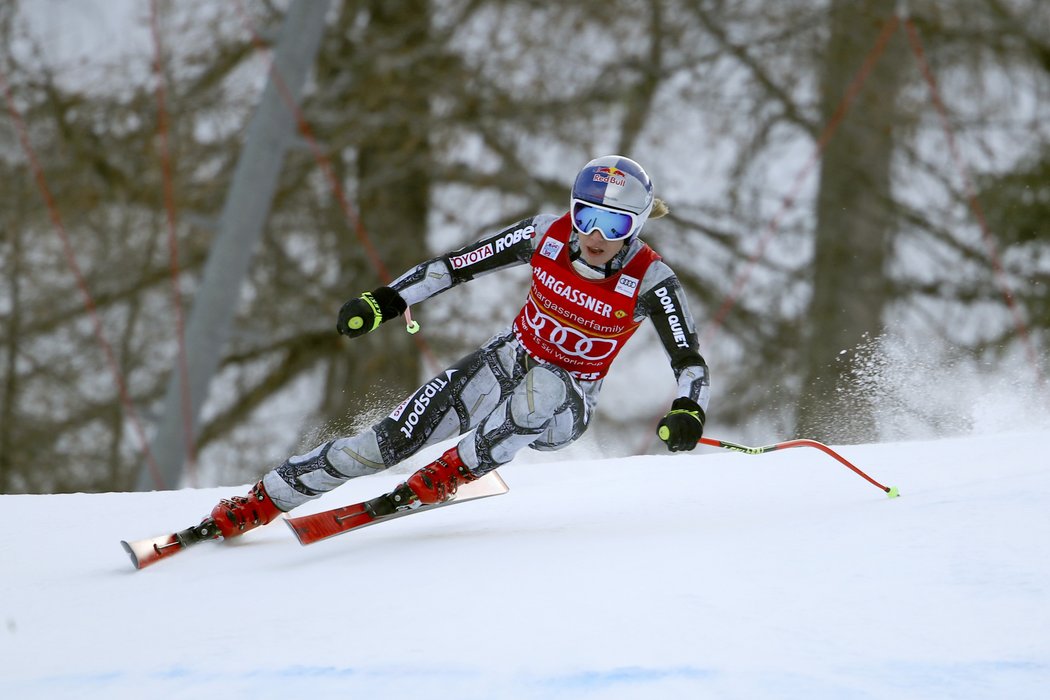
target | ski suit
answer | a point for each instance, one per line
(534, 384)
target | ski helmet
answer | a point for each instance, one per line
(613, 195)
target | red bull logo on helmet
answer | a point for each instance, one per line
(613, 176)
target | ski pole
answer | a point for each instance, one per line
(891, 491)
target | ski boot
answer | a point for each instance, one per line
(238, 515)
(435, 483)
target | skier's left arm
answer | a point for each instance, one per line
(661, 298)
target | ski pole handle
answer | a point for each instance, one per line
(411, 326)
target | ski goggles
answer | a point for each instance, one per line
(613, 225)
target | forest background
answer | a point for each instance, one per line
(859, 197)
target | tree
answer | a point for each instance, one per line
(444, 120)
(244, 214)
(396, 82)
(855, 223)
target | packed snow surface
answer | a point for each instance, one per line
(709, 574)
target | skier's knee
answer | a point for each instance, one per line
(539, 397)
(358, 455)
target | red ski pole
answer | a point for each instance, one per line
(891, 491)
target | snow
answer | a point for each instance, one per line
(709, 574)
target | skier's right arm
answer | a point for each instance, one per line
(511, 246)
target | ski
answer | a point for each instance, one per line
(153, 549)
(320, 526)
(316, 527)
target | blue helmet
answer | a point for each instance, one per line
(612, 195)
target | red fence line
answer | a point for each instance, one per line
(173, 246)
(325, 164)
(85, 292)
(788, 202)
(992, 250)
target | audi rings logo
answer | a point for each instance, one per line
(569, 340)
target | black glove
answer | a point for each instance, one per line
(683, 426)
(365, 313)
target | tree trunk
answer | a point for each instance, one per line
(855, 225)
(9, 388)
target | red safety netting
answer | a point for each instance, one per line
(711, 329)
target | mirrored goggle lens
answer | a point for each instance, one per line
(613, 225)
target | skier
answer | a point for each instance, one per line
(534, 384)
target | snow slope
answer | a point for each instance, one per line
(703, 575)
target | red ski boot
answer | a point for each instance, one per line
(237, 515)
(438, 481)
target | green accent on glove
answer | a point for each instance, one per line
(664, 432)
(377, 314)
(694, 414)
(678, 431)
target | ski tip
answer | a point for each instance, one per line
(131, 553)
(291, 526)
(143, 553)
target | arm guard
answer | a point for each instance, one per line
(662, 300)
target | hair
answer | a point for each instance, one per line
(660, 209)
